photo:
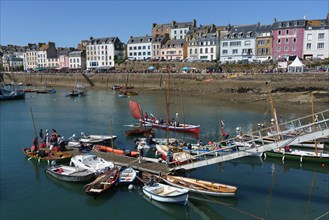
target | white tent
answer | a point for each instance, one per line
(296, 66)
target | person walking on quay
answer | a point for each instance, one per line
(140, 150)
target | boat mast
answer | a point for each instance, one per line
(314, 127)
(275, 118)
(220, 128)
(168, 104)
(112, 142)
(35, 131)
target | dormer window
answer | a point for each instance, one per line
(240, 35)
(249, 34)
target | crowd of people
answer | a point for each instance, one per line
(53, 141)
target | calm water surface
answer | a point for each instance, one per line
(268, 188)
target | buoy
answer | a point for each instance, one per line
(131, 187)
(323, 165)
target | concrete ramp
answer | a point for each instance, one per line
(91, 83)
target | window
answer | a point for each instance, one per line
(320, 36)
(247, 43)
(279, 41)
(295, 31)
(287, 31)
(320, 45)
(235, 51)
(294, 40)
(286, 41)
(201, 50)
(308, 46)
(286, 48)
(195, 50)
(260, 42)
(191, 51)
(211, 50)
(225, 44)
(293, 48)
(309, 36)
(224, 51)
(206, 50)
(278, 49)
(279, 32)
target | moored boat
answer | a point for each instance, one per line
(103, 182)
(127, 176)
(47, 155)
(140, 131)
(165, 193)
(200, 186)
(70, 174)
(91, 162)
(299, 155)
(6, 94)
(102, 148)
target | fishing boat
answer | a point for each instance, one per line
(91, 162)
(127, 176)
(6, 94)
(47, 155)
(88, 139)
(103, 182)
(77, 91)
(136, 112)
(287, 153)
(102, 148)
(166, 193)
(70, 174)
(200, 186)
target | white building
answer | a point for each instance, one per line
(140, 48)
(316, 39)
(239, 44)
(77, 60)
(179, 29)
(30, 60)
(101, 53)
(205, 47)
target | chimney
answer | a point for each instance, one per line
(274, 20)
(173, 23)
(193, 23)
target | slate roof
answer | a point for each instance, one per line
(289, 24)
(139, 40)
(174, 43)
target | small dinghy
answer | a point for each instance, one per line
(127, 176)
(165, 193)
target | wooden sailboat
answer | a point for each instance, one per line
(302, 155)
(78, 89)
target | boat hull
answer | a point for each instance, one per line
(70, 174)
(60, 157)
(287, 156)
(227, 191)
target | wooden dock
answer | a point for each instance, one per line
(122, 160)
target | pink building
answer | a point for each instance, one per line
(63, 60)
(288, 38)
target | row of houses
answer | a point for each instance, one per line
(307, 39)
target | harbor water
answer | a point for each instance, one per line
(268, 188)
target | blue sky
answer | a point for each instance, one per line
(67, 22)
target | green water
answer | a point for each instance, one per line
(268, 188)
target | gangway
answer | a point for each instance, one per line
(288, 133)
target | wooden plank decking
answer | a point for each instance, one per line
(122, 160)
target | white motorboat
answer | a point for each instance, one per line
(128, 175)
(89, 140)
(70, 174)
(165, 193)
(91, 162)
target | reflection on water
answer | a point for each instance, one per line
(266, 186)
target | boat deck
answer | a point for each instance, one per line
(122, 160)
